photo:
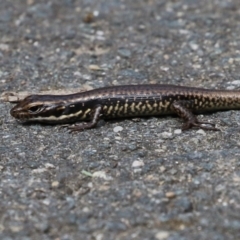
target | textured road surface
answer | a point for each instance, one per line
(125, 179)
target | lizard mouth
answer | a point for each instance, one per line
(21, 117)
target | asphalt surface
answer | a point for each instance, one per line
(124, 179)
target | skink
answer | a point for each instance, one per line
(126, 101)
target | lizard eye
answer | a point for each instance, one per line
(34, 109)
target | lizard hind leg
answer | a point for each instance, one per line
(182, 109)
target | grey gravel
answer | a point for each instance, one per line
(55, 185)
(126, 53)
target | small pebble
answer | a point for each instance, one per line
(94, 67)
(161, 235)
(49, 166)
(124, 52)
(39, 170)
(236, 82)
(178, 131)
(230, 88)
(137, 164)
(4, 47)
(78, 74)
(99, 236)
(193, 46)
(170, 194)
(36, 44)
(166, 135)
(46, 201)
(118, 138)
(118, 129)
(95, 13)
(101, 174)
(100, 33)
(55, 184)
(201, 131)
(166, 69)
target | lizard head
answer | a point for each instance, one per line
(38, 108)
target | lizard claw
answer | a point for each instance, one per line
(198, 124)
